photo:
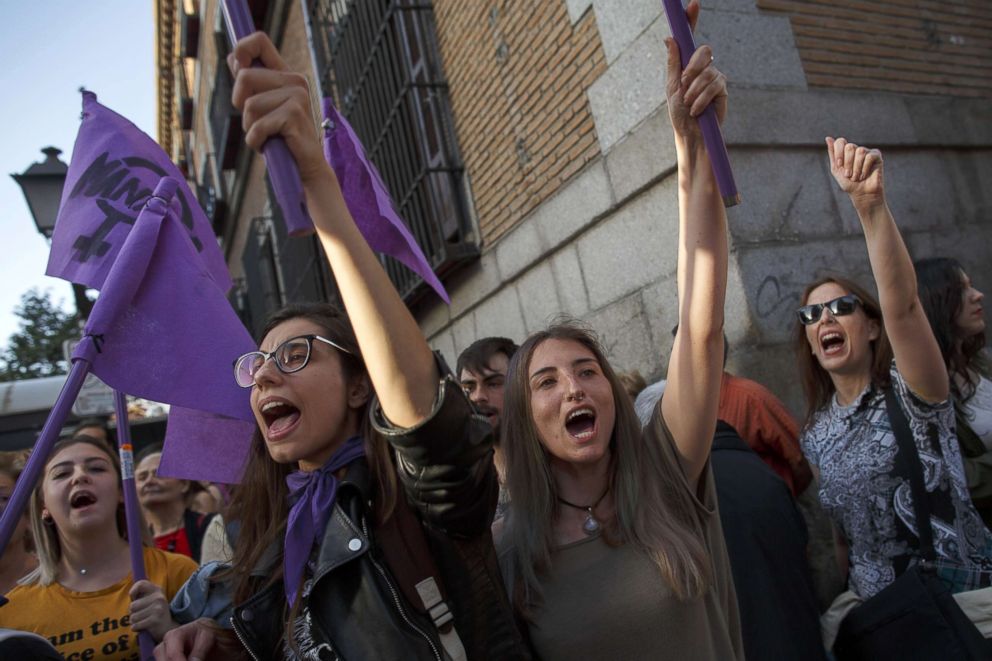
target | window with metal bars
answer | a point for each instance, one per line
(380, 61)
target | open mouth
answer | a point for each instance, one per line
(81, 499)
(832, 343)
(581, 423)
(279, 416)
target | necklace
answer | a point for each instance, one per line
(591, 525)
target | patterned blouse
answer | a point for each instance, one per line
(855, 448)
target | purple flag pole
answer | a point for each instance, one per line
(283, 173)
(131, 509)
(43, 446)
(708, 124)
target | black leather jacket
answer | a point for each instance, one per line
(446, 471)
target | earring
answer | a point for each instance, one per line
(47, 519)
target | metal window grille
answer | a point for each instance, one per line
(262, 286)
(380, 60)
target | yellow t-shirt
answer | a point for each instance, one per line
(86, 626)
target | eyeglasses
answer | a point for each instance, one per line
(839, 307)
(290, 356)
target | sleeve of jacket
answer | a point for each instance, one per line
(445, 463)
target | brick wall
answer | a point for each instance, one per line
(907, 46)
(518, 71)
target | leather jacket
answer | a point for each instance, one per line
(356, 607)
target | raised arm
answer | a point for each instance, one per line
(274, 101)
(858, 171)
(696, 364)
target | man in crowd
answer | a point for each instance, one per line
(481, 369)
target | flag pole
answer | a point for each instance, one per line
(716, 148)
(43, 446)
(283, 172)
(131, 509)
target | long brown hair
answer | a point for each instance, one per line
(260, 502)
(817, 384)
(940, 284)
(46, 536)
(653, 513)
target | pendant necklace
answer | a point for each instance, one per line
(591, 525)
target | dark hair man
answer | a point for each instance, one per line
(481, 369)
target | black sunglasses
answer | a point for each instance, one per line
(839, 307)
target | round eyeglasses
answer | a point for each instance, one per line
(290, 356)
(839, 307)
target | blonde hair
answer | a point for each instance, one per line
(46, 535)
(654, 513)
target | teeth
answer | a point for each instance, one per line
(830, 336)
(271, 405)
(578, 412)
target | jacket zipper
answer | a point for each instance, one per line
(234, 626)
(396, 597)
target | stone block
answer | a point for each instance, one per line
(434, 317)
(774, 277)
(790, 117)
(753, 50)
(576, 8)
(538, 297)
(501, 315)
(623, 331)
(773, 366)
(621, 22)
(631, 88)
(569, 282)
(918, 189)
(943, 121)
(583, 199)
(786, 196)
(737, 321)
(518, 249)
(644, 155)
(473, 283)
(445, 343)
(661, 307)
(632, 247)
(464, 332)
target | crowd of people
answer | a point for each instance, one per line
(537, 502)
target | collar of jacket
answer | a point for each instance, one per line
(343, 538)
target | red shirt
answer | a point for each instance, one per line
(175, 542)
(765, 424)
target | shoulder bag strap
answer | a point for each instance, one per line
(908, 459)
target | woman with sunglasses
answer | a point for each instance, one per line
(365, 508)
(847, 363)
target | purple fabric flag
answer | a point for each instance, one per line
(369, 201)
(205, 446)
(163, 328)
(114, 169)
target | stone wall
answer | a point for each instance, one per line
(603, 247)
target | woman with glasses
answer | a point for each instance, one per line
(851, 350)
(365, 507)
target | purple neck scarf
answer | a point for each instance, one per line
(311, 496)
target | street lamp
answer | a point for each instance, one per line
(42, 184)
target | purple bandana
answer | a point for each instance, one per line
(311, 495)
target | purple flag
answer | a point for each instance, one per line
(163, 328)
(205, 446)
(368, 200)
(114, 169)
